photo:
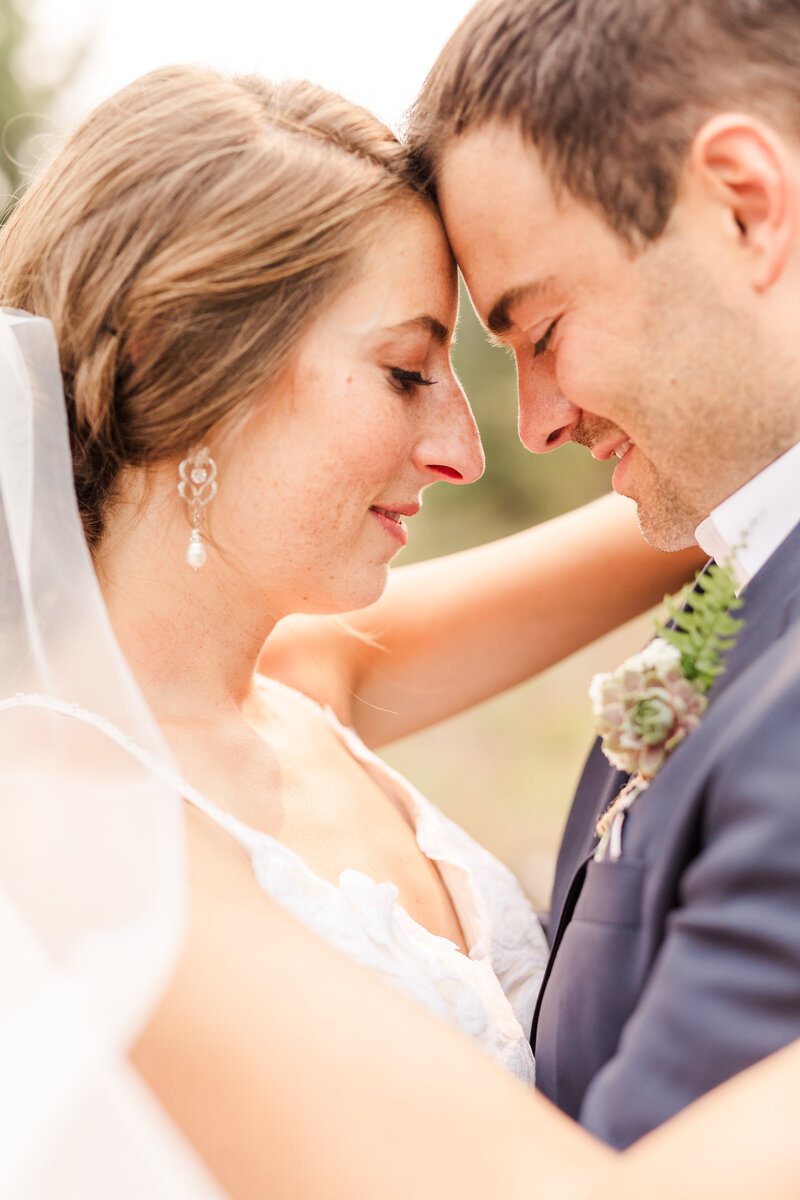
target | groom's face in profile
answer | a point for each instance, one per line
(648, 354)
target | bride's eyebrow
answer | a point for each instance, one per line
(438, 331)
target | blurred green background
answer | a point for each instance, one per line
(29, 88)
(506, 770)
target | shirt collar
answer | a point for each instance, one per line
(747, 528)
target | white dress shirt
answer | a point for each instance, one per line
(747, 528)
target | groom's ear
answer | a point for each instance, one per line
(745, 170)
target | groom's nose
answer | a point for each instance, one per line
(547, 418)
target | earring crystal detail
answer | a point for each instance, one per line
(198, 486)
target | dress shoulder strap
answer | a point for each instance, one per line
(163, 770)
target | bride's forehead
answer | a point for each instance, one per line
(408, 237)
(406, 270)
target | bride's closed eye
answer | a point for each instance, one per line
(408, 381)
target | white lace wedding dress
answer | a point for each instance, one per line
(489, 994)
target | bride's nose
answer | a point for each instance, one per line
(448, 445)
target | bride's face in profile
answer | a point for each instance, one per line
(313, 490)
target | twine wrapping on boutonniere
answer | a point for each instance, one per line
(646, 708)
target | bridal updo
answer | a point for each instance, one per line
(181, 243)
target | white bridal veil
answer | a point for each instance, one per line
(91, 866)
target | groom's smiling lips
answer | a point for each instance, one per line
(619, 447)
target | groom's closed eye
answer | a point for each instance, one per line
(500, 317)
(541, 345)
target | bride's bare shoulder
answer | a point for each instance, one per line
(228, 914)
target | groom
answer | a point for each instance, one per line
(620, 180)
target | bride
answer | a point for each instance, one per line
(253, 309)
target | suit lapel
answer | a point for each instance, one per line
(599, 784)
(772, 600)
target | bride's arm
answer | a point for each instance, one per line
(297, 1074)
(737, 1142)
(451, 632)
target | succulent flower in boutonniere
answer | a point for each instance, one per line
(646, 708)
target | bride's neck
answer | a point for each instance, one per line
(192, 639)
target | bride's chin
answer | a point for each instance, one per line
(362, 592)
(354, 594)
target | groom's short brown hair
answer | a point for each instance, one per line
(611, 92)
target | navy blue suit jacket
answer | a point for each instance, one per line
(678, 965)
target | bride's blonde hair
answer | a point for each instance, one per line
(181, 243)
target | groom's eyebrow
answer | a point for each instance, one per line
(499, 321)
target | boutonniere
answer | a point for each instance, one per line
(646, 708)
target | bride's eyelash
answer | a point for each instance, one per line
(543, 342)
(406, 381)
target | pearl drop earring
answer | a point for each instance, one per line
(198, 486)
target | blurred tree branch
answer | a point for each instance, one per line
(25, 102)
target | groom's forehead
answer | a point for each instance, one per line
(492, 183)
(496, 159)
(508, 226)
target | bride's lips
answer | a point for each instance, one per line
(390, 518)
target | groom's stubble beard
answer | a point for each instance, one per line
(707, 396)
(667, 519)
(712, 393)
